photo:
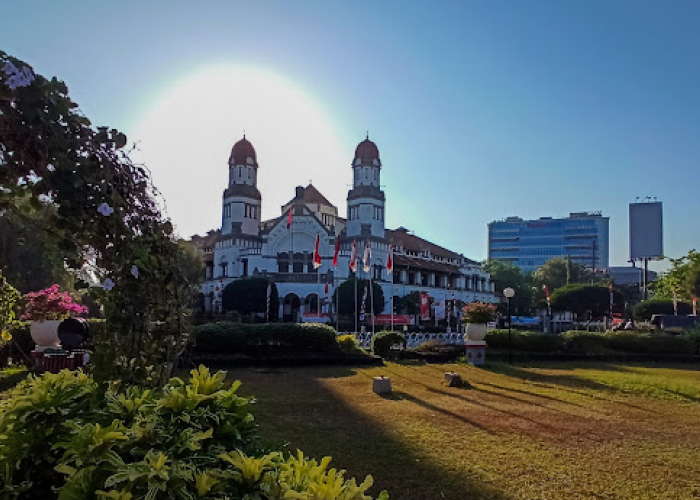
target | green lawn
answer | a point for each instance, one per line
(542, 431)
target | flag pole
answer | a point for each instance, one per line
(371, 295)
(356, 301)
(392, 298)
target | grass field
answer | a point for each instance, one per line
(545, 431)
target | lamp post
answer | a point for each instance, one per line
(509, 293)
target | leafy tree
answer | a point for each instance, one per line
(507, 274)
(581, 299)
(557, 272)
(346, 299)
(106, 218)
(30, 258)
(647, 308)
(683, 278)
(249, 296)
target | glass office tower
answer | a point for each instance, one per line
(583, 236)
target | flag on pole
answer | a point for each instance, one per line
(336, 252)
(367, 259)
(546, 292)
(390, 259)
(353, 257)
(289, 219)
(317, 254)
(326, 291)
(675, 303)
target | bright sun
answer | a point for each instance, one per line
(185, 139)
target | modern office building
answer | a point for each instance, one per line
(583, 236)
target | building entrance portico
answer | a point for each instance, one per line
(291, 308)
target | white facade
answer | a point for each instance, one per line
(246, 246)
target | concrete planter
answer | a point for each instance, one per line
(45, 334)
(476, 331)
(381, 385)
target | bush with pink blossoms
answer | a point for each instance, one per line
(50, 304)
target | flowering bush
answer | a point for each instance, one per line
(478, 312)
(50, 304)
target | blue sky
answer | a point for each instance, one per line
(481, 110)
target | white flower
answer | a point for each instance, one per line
(105, 209)
(135, 271)
(108, 284)
(17, 78)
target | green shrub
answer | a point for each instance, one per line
(524, 340)
(647, 308)
(63, 438)
(582, 342)
(347, 342)
(693, 336)
(264, 339)
(382, 342)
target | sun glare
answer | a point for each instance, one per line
(196, 122)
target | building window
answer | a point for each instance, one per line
(227, 210)
(283, 262)
(377, 272)
(379, 213)
(250, 211)
(411, 279)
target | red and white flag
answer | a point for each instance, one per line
(390, 259)
(289, 219)
(367, 259)
(317, 255)
(353, 257)
(335, 253)
(546, 292)
(326, 290)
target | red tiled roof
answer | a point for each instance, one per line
(423, 264)
(206, 241)
(367, 150)
(401, 237)
(313, 195)
(243, 150)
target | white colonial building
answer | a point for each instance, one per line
(248, 246)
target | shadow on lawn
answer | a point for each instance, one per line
(298, 408)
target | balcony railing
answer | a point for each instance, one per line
(298, 277)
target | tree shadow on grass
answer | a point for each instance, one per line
(300, 409)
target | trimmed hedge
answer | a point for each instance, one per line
(647, 308)
(227, 337)
(581, 342)
(382, 342)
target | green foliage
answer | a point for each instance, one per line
(61, 438)
(347, 343)
(8, 298)
(382, 342)
(29, 258)
(265, 339)
(104, 216)
(558, 272)
(346, 303)
(507, 274)
(581, 299)
(478, 312)
(249, 295)
(693, 336)
(582, 342)
(683, 278)
(647, 308)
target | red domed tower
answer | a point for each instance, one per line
(242, 200)
(366, 198)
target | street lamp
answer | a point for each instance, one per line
(509, 293)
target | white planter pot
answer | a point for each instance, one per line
(45, 334)
(476, 331)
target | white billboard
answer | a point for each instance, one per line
(646, 231)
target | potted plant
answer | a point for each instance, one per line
(476, 316)
(46, 309)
